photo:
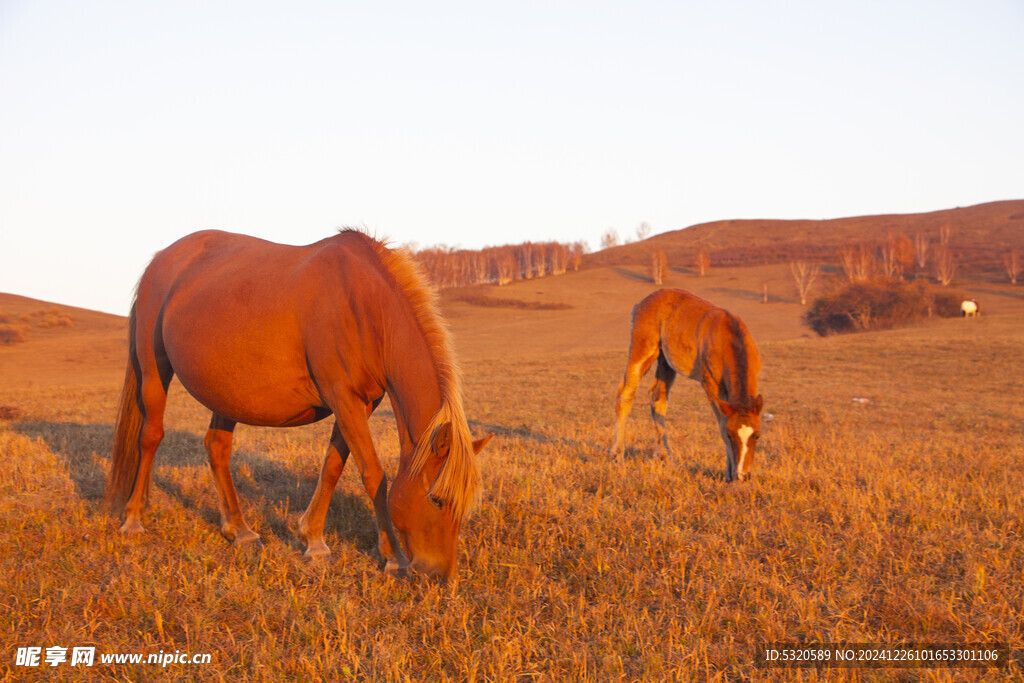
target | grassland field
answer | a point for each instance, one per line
(891, 519)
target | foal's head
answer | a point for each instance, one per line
(741, 427)
(427, 523)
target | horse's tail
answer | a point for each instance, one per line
(124, 466)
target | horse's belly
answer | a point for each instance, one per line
(246, 384)
(253, 403)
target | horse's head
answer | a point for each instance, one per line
(426, 525)
(741, 427)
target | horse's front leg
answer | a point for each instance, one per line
(730, 450)
(356, 432)
(642, 353)
(311, 524)
(218, 446)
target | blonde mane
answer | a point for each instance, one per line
(458, 482)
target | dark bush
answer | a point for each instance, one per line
(947, 303)
(879, 304)
(11, 334)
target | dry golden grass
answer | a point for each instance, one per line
(897, 519)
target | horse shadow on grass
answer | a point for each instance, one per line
(598, 451)
(270, 489)
(523, 431)
(587, 450)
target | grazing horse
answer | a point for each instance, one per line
(970, 308)
(274, 335)
(688, 335)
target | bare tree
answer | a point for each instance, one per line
(897, 254)
(505, 264)
(578, 249)
(858, 262)
(559, 258)
(804, 274)
(1013, 265)
(945, 264)
(524, 257)
(610, 238)
(945, 233)
(659, 264)
(540, 263)
(703, 261)
(921, 250)
(643, 231)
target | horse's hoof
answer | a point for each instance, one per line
(247, 539)
(317, 551)
(398, 571)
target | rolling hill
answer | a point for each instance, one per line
(980, 235)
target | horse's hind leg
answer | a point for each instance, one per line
(664, 376)
(311, 524)
(218, 446)
(155, 377)
(642, 352)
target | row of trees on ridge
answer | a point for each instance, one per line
(448, 267)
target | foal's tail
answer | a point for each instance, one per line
(125, 461)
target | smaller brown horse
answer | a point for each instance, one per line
(694, 337)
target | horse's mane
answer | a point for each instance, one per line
(741, 356)
(458, 482)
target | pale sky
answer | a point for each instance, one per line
(126, 125)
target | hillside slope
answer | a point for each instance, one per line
(62, 344)
(981, 234)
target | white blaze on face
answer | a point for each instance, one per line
(744, 433)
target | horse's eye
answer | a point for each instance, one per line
(438, 503)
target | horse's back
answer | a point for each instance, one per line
(236, 317)
(690, 328)
(670, 318)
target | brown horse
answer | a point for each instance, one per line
(691, 336)
(274, 335)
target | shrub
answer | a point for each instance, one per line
(56, 320)
(11, 334)
(879, 304)
(947, 304)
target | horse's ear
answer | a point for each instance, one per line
(479, 444)
(758, 404)
(442, 441)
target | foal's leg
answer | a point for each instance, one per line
(155, 376)
(642, 352)
(311, 524)
(218, 446)
(730, 452)
(664, 376)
